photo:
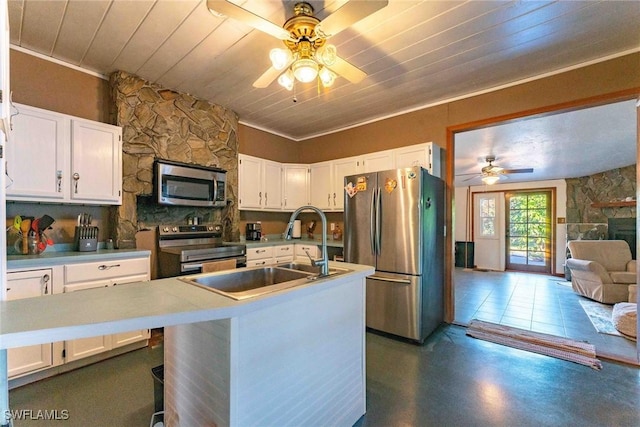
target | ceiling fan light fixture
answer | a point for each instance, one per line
(286, 80)
(490, 179)
(305, 70)
(327, 54)
(280, 58)
(327, 77)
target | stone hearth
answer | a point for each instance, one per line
(162, 124)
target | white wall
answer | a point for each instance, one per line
(460, 206)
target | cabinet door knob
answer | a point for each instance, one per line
(107, 267)
(59, 178)
(76, 178)
(45, 280)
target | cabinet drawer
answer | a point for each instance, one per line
(260, 262)
(302, 248)
(259, 253)
(283, 251)
(94, 271)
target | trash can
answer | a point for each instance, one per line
(464, 254)
(158, 388)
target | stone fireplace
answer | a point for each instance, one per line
(158, 123)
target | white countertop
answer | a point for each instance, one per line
(141, 305)
(51, 258)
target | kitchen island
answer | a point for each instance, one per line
(294, 356)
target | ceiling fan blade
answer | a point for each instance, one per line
(470, 178)
(347, 70)
(347, 15)
(226, 8)
(524, 170)
(267, 78)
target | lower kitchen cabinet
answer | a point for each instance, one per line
(260, 256)
(104, 274)
(283, 254)
(302, 249)
(27, 284)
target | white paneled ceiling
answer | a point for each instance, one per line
(416, 53)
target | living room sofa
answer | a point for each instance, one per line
(601, 270)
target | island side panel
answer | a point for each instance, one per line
(301, 362)
(298, 362)
(196, 374)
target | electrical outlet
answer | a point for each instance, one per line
(333, 226)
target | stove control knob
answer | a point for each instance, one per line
(210, 228)
(218, 228)
(174, 229)
(165, 229)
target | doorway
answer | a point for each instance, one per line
(529, 234)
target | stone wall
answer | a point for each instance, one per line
(162, 124)
(587, 222)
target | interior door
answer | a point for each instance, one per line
(529, 238)
(488, 229)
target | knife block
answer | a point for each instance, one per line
(86, 238)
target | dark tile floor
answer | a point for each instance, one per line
(451, 380)
(534, 302)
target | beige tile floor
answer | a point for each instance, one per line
(534, 302)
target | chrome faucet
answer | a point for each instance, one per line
(324, 261)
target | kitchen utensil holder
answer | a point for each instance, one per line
(86, 238)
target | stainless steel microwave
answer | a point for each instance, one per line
(190, 185)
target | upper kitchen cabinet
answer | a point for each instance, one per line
(295, 184)
(378, 161)
(96, 163)
(426, 155)
(327, 182)
(55, 158)
(259, 183)
(38, 156)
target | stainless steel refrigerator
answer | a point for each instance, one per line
(394, 221)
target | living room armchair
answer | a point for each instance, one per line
(601, 270)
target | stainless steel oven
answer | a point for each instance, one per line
(182, 249)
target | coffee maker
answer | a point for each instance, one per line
(253, 231)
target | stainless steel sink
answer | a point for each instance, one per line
(251, 282)
(310, 268)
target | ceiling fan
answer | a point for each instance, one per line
(491, 173)
(307, 55)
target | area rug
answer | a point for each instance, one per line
(549, 345)
(600, 316)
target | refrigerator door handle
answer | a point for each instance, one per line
(388, 279)
(379, 220)
(372, 222)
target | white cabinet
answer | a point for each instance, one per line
(260, 256)
(295, 186)
(321, 185)
(27, 284)
(283, 254)
(96, 162)
(83, 276)
(37, 156)
(327, 182)
(259, 183)
(378, 161)
(341, 168)
(426, 155)
(53, 157)
(303, 248)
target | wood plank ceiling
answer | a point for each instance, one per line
(415, 53)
